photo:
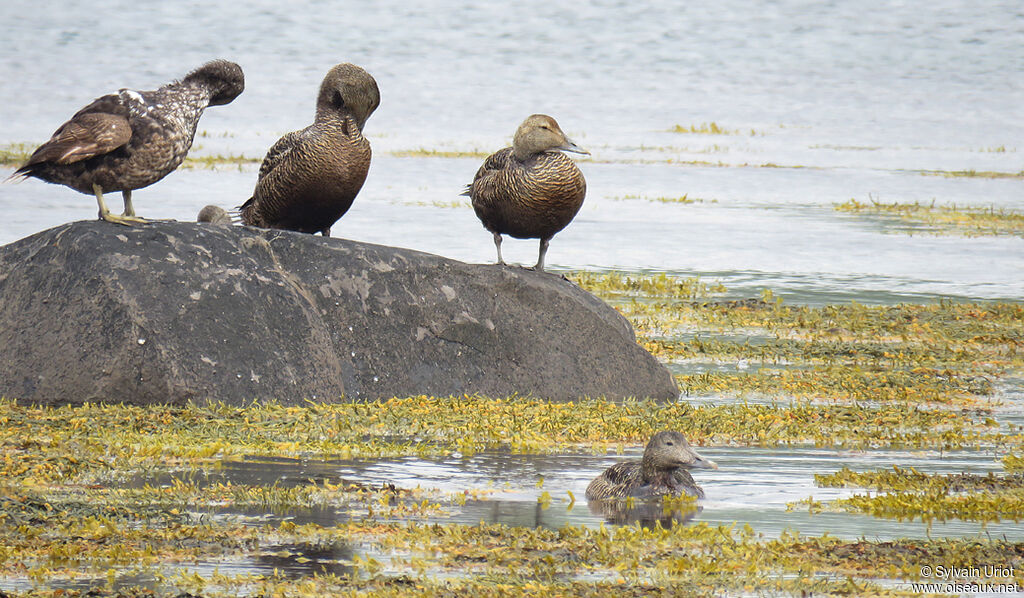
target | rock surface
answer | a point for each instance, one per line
(170, 312)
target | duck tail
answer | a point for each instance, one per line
(20, 174)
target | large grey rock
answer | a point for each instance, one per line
(170, 312)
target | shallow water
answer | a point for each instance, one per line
(752, 486)
(821, 105)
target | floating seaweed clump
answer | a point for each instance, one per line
(710, 128)
(684, 199)
(976, 174)
(898, 479)
(648, 286)
(909, 494)
(947, 353)
(846, 383)
(435, 153)
(46, 444)
(211, 162)
(947, 219)
(16, 154)
(53, 541)
(1013, 463)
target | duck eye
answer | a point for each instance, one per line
(337, 100)
(669, 443)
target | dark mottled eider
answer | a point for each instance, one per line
(530, 190)
(662, 471)
(214, 215)
(131, 139)
(309, 178)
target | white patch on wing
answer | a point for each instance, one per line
(133, 95)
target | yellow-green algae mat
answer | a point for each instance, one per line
(895, 377)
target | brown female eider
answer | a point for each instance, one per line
(131, 139)
(309, 178)
(661, 472)
(530, 190)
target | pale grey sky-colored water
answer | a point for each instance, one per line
(862, 100)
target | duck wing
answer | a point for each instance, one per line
(682, 483)
(623, 473)
(276, 155)
(88, 134)
(484, 188)
(617, 481)
(278, 152)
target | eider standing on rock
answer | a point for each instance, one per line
(131, 139)
(309, 178)
(530, 190)
(661, 472)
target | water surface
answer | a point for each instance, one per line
(820, 103)
(849, 107)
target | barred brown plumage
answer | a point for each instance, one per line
(661, 472)
(131, 139)
(530, 190)
(309, 178)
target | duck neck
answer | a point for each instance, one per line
(330, 116)
(181, 101)
(191, 88)
(649, 472)
(349, 125)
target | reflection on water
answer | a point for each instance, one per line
(302, 560)
(647, 513)
(753, 486)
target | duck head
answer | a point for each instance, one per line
(540, 133)
(348, 90)
(223, 78)
(670, 450)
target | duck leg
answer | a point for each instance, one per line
(326, 232)
(497, 245)
(543, 250)
(129, 209)
(105, 214)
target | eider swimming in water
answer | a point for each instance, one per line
(131, 139)
(530, 190)
(661, 472)
(309, 178)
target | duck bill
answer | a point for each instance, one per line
(703, 463)
(569, 146)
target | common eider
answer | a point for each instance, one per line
(131, 139)
(309, 178)
(661, 472)
(530, 190)
(213, 215)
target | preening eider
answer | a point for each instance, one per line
(309, 178)
(131, 139)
